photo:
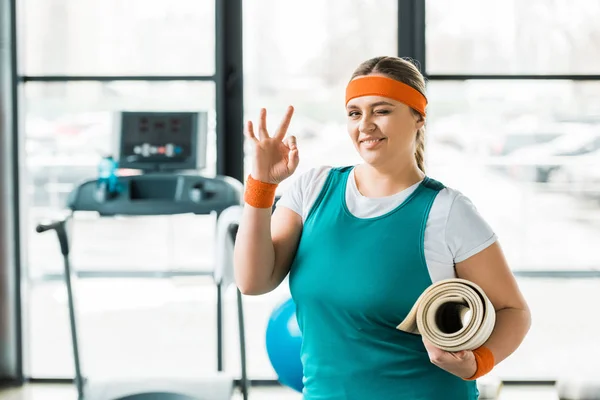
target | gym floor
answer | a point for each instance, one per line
(67, 392)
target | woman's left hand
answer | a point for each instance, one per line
(461, 363)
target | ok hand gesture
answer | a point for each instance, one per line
(276, 158)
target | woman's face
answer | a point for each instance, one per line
(382, 129)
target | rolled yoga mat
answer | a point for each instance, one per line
(453, 314)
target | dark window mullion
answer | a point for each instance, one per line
(411, 31)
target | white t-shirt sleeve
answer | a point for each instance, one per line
(301, 192)
(467, 232)
(291, 196)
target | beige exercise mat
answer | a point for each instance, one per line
(441, 315)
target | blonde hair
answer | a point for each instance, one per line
(405, 71)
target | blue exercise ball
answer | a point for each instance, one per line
(284, 342)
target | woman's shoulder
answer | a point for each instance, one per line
(466, 229)
(455, 201)
(456, 207)
(448, 196)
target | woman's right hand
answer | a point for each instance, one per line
(275, 159)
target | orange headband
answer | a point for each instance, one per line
(386, 87)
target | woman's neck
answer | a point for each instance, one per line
(378, 181)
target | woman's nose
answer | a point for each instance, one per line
(366, 125)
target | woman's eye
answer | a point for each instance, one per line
(382, 111)
(352, 113)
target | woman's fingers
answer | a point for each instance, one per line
(281, 131)
(263, 133)
(293, 157)
(262, 124)
(249, 131)
(285, 123)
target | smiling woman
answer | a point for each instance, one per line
(384, 110)
(346, 288)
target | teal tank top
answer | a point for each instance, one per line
(353, 281)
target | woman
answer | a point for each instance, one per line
(361, 243)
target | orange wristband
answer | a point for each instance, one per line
(485, 362)
(259, 194)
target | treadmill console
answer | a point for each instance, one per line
(161, 141)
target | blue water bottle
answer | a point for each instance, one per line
(107, 175)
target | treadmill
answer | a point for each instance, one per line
(169, 149)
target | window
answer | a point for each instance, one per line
(286, 63)
(67, 128)
(122, 329)
(574, 344)
(304, 54)
(526, 153)
(523, 151)
(112, 37)
(512, 37)
(140, 328)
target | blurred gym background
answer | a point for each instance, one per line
(514, 123)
